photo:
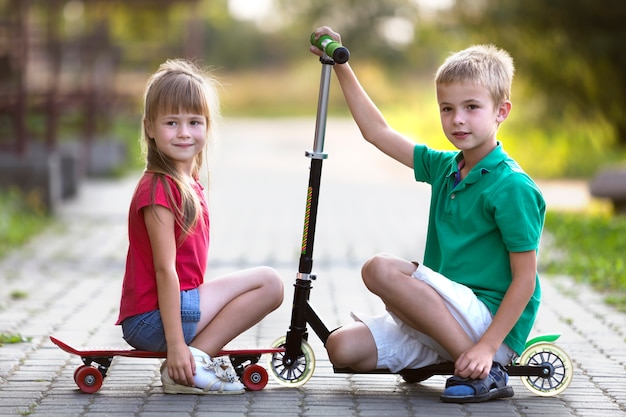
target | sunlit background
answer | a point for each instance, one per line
(72, 72)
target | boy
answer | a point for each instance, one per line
(474, 299)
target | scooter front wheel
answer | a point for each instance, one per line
(557, 360)
(292, 374)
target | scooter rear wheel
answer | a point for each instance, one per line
(293, 374)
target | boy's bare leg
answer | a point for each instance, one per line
(352, 346)
(414, 302)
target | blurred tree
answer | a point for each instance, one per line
(371, 28)
(573, 50)
(147, 35)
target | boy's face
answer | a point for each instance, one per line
(469, 117)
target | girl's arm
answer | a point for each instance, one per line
(368, 118)
(160, 224)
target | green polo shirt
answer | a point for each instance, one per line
(473, 226)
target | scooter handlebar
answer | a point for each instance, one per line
(332, 48)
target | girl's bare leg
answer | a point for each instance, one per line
(233, 303)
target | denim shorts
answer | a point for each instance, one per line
(145, 331)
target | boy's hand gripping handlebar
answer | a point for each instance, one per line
(332, 48)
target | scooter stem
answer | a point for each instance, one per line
(302, 313)
(322, 111)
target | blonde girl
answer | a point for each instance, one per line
(165, 303)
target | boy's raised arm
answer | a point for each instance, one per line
(368, 118)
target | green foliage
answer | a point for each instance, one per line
(571, 49)
(21, 216)
(18, 295)
(592, 251)
(545, 147)
(568, 117)
(7, 338)
(127, 128)
(360, 22)
(563, 147)
(568, 93)
(551, 145)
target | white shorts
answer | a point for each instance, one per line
(401, 346)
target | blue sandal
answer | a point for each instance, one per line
(464, 390)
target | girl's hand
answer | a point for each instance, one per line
(324, 30)
(181, 366)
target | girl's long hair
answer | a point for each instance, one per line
(179, 86)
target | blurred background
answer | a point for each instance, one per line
(72, 74)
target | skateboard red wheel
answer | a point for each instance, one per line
(88, 379)
(76, 372)
(255, 377)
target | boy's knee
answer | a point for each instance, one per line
(338, 353)
(352, 346)
(376, 272)
(374, 266)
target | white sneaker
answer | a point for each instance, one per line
(213, 376)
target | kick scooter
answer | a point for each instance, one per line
(545, 369)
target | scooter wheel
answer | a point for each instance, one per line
(88, 379)
(255, 377)
(560, 364)
(292, 373)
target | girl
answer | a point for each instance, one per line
(165, 304)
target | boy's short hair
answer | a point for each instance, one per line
(486, 65)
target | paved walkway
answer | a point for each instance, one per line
(71, 276)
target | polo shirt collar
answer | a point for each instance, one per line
(487, 164)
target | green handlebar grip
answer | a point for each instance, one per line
(332, 48)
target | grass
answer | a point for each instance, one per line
(18, 295)
(22, 215)
(9, 338)
(590, 248)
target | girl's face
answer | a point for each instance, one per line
(469, 117)
(180, 136)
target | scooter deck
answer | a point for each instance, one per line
(447, 368)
